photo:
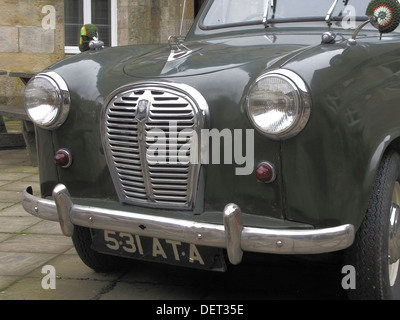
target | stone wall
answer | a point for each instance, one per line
(32, 33)
(151, 21)
(31, 38)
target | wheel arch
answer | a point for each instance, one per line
(387, 145)
(394, 145)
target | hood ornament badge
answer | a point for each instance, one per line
(178, 49)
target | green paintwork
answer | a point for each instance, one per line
(325, 174)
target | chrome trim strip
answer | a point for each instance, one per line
(141, 117)
(232, 235)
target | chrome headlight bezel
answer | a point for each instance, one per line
(299, 97)
(47, 100)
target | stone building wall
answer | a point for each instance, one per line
(31, 38)
(152, 21)
(32, 33)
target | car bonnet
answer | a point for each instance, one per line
(215, 55)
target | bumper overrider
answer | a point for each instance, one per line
(232, 235)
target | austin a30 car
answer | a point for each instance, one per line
(272, 127)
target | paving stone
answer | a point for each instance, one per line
(5, 236)
(31, 289)
(45, 227)
(71, 267)
(5, 205)
(36, 243)
(14, 211)
(20, 186)
(2, 183)
(13, 176)
(6, 281)
(32, 178)
(10, 196)
(20, 263)
(16, 224)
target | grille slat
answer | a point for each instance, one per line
(133, 184)
(118, 120)
(170, 198)
(125, 178)
(122, 158)
(142, 127)
(129, 173)
(125, 142)
(114, 131)
(124, 150)
(126, 162)
(166, 128)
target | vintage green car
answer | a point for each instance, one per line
(272, 127)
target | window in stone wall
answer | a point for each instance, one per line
(102, 13)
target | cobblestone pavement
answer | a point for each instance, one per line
(27, 244)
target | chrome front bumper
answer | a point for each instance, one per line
(231, 235)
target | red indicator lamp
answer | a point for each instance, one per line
(63, 158)
(266, 173)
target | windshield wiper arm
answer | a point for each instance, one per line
(273, 6)
(328, 18)
(346, 2)
(266, 12)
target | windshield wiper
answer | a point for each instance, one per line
(345, 2)
(329, 15)
(273, 6)
(266, 12)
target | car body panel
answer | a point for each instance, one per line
(351, 87)
(324, 175)
(81, 131)
(310, 194)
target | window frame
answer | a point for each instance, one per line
(87, 19)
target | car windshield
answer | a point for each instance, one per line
(223, 13)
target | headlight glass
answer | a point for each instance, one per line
(47, 100)
(279, 104)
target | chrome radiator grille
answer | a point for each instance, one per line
(150, 147)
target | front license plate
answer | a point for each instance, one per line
(158, 250)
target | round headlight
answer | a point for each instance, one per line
(47, 100)
(279, 104)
